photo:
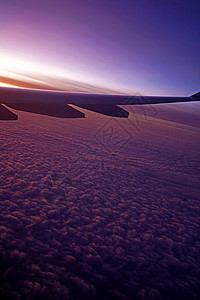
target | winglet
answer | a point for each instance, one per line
(196, 96)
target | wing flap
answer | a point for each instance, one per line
(106, 109)
(54, 110)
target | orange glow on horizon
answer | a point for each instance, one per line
(9, 85)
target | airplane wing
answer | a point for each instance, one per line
(57, 103)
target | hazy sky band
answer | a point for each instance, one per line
(147, 46)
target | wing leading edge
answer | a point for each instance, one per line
(55, 103)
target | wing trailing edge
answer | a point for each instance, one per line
(57, 103)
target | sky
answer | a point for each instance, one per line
(147, 47)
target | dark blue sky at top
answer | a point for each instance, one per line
(145, 46)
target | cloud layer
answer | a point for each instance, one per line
(82, 221)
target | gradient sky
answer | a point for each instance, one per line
(150, 47)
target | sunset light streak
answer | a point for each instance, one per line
(18, 68)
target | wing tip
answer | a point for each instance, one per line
(6, 114)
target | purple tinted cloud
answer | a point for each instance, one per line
(126, 230)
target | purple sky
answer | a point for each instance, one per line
(151, 47)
